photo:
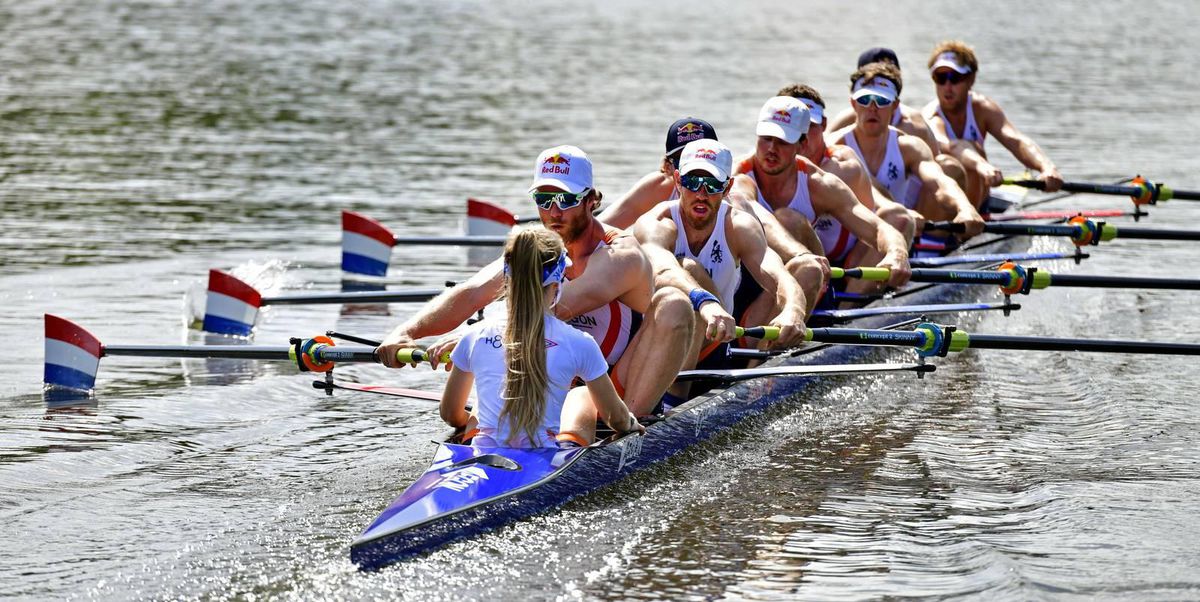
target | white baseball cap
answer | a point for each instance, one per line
(564, 167)
(783, 117)
(881, 86)
(709, 155)
(816, 112)
(949, 59)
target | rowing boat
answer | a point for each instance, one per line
(467, 489)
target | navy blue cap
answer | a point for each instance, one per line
(686, 130)
(875, 55)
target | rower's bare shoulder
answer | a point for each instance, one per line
(743, 163)
(913, 146)
(837, 136)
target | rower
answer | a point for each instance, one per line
(657, 186)
(610, 291)
(962, 119)
(798, 193)
(900, 163)
(523, 366)
(841, 161)
(713, 241)
(906, 118)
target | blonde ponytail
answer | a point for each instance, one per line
(526, 254)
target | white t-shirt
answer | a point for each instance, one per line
(569, 353)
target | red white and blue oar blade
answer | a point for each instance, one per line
(230, 306)
(486, 219)
(366, 245)
(72, 356)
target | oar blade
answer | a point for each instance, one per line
(230, 305)
(72, 356)
(486, 219)
(366, 245)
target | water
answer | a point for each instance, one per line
(142, 144)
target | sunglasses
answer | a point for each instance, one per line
(564, 200)
(879, 101)
(695, 183)
(953, 77)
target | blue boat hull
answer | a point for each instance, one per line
(467, 490)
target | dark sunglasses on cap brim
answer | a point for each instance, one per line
(708, 183)
(941, 77)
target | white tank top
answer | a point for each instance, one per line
(972, 131)
(714, 256)
(832, 234)
(891, 172)
(569, 354)
(610, 324)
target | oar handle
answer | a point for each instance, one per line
(412, 355)
(769, 333)
(945, 227)
(861, 273)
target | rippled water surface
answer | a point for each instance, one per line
(143, 143)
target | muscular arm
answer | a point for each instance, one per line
(451, 308)
(1021, 146)
(750, 245)
(831, 195)
(652, 189)
(453, 408)
(920, 128)
(657, 235)
(743, 196)
(919, 160)
(617, 271)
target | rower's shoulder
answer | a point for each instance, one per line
(839, 136)
(910, 144)
(743, 164)
(930, 111)
(985, 106)
(843, 162)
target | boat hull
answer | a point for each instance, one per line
(460, 495)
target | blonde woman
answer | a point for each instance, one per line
(523, 366)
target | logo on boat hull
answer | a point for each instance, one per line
(461, 479)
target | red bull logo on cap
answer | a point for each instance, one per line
(688, 132)
(708, 154)
(556, 163)
(782, 116)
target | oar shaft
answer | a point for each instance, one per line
(1008, 228)
(463, 241)
(1084, 281)
(1154, 233)
(994, 341)
(244, 352)
(1082, 187)
(860, 336)
(404, 296)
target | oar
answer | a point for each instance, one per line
(1142, 192)
(1013, 279)
(992, 257)
(231, 305)
(841, 316)
(1080, 230)
(936, 339)
(1060, 215)
(367, 243)
(738, 374)
(73, 354)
